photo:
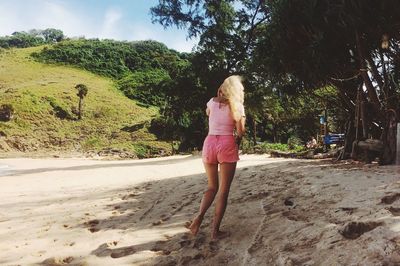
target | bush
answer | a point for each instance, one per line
(6, 112)
(162, 128)
(293, 142)
(265, 147)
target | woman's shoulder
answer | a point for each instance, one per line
(213, 100)
(210, 102)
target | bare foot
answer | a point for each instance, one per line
(195, 226)
(219, 235)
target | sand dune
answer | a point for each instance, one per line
(281, 212)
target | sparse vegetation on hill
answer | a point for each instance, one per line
(45, 107)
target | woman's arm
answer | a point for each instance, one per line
(208, 111)
(240, 129)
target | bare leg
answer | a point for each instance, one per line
(227, 171)
(208, 197)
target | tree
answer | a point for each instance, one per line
(82, 92)
(34, 37)
(51, 35)
(229, 32)
(339, 43)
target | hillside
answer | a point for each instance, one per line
(44, 99)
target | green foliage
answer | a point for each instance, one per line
(93, 143)
(267, 147)
(145, 86)
(111, 58)
(319, 43)
(24, 39)
(150, 73)
(230, 32)
(82, 90)
(294, 142)
(52, 35)
(43, 96)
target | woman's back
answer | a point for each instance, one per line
(220, 120)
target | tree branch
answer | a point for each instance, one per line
(367, 81)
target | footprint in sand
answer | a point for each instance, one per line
(394, 211)
(92, 225)
(200, 240)
(348, 210)
(166, 218)
(129, 196)
(160, 246)
(213, 245)
(58, 261)
(147, 186)
(389, 199)
(353, 230)
(104, 250)
(288, 201)
(185, 260)
(157, 222)
(122, 252)
(185, 243)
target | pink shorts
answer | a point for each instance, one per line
(220, 149)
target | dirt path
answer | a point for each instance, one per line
(281, 212)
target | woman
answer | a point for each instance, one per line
(226, 128)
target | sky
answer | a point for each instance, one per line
(128, 20)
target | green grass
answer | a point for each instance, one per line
(44, 100)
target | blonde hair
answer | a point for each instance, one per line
(232, 91)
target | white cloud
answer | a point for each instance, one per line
(110, 28)
(18, 16)
(60, 14)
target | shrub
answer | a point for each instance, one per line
(6, 112)
(265, 147)
(293, 142)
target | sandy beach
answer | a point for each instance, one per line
(280, 212)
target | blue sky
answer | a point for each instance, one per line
(112, 19)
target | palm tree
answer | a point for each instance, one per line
(82, 92)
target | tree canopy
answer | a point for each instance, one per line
(290, 48)
(22, 39)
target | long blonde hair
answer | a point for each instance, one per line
(232, 91)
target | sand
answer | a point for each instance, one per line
(280, 212)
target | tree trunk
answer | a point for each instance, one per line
(389, 139)
(80, 111)
(364, 120)
(346, 99)
(348, 141)
(275, 133)
(372, 95)
(255, 131)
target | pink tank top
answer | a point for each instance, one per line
(220, 121)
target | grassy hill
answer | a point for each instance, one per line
(44, 99)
